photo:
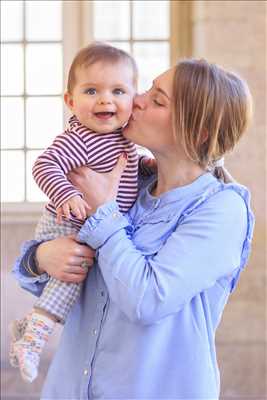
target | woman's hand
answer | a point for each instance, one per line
(147, 166)
(62, 258)
(98, 188)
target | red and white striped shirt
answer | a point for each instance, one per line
(78, 146)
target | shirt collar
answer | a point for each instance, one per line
(178, 193)
(74, 124)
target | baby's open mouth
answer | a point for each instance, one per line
(104, 115)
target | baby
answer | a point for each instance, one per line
(101, 86)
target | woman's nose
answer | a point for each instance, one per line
(139, 101)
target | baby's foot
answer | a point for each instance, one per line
(17, 329)
(28, 359)
(27, 350)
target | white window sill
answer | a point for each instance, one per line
(21, 213)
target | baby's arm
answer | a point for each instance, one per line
(75, 205)
(68, 151)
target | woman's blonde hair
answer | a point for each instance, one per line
(212, 109)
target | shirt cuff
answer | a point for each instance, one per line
(24, 268)
(100, 226)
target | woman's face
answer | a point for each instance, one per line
(151, 122)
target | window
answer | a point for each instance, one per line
(140, 27)
(31, 91)
(39, 40)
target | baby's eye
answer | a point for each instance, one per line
(90, 91)
(118, 91)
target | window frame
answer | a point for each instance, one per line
(77, 26)
(74, 34)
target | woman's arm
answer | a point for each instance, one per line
(60, 258)
(211, 243)
(25, 270)
(204, 248)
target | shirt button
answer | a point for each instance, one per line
(85, 372)
(102, 294)
(115, 215)
(95, 332)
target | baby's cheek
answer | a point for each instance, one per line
(129, 107)
(85, 108)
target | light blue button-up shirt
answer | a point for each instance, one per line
(144, 326)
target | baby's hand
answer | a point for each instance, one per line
(75, 205)
(147, 166)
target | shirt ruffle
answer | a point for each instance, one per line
(92, 231)
(26, 280)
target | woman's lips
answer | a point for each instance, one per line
(130, 121)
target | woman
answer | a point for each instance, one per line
(144, 327)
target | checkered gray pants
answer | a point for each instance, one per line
(57, 297)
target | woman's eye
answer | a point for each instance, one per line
(118, 91)
(90, 91)
(157, 103)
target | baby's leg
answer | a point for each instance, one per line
(57, 297)
(53, 306)
(28, 349)
(17, 330)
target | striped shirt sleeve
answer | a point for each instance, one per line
(68, 151)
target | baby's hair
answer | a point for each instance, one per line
(212, 109)
(99, 52)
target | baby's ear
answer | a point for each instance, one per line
(68, 99)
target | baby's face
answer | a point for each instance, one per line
(102, 97)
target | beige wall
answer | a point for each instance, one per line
(231, 33)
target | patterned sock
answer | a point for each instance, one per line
(17, 329)
(28, 349)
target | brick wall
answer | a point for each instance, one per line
(233, 34)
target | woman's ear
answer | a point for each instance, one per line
(68, 99)
(204, 136)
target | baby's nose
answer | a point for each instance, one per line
(104, 98)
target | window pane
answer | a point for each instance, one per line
(121, 45)
(151, 19)
(12, 123)
(44, 118)
(44, 69)
(111, 19)
(12, 176)
(33, 191)
(152, 59)
(11, 20)
(43, 20)
(11, 69)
